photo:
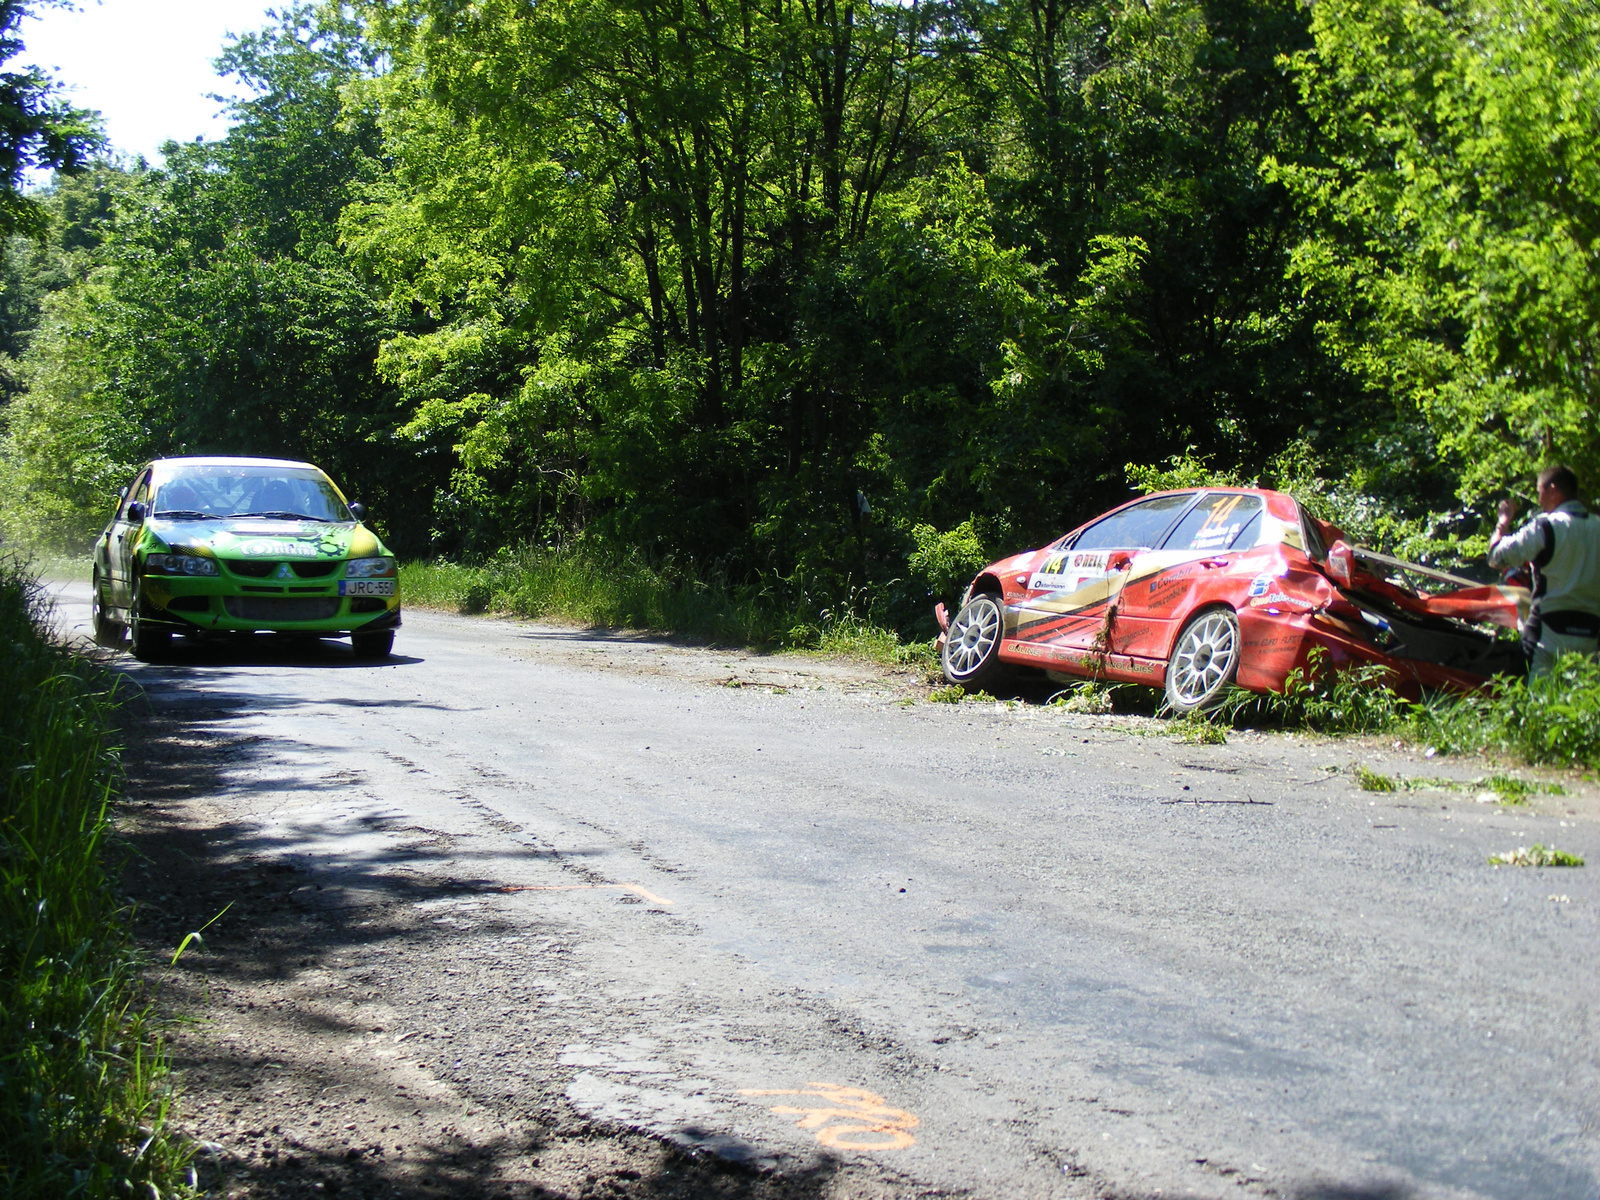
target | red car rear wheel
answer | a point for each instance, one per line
(1204, 661)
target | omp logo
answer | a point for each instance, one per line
(265, 547)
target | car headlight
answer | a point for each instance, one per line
(367, 568)
(179, 564)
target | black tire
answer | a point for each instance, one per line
(106, 631)
(373, 645)
(1204, 661)
(971, 654)
(146, 642)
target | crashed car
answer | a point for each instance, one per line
(213, 547)
(1195, 591)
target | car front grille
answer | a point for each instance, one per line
(254, 568)
(282, 608)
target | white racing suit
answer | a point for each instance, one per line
(1563, 548)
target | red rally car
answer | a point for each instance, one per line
(1197, 590)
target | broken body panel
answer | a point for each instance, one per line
(1088, 606)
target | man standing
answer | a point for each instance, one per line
(1562, 545)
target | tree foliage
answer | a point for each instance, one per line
(1454, 204)
(842, 295)
(38, 128)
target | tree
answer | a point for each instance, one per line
(219, 314)
(1456, 201)
(37, 127)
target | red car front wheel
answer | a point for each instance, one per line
(971, 654)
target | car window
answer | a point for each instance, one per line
(139, 492)
(1137, 527)
(1221, 521)
(193, 492)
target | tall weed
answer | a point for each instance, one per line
(592, 588)
(82, 1103)
(1320, 698)
(1554, 719)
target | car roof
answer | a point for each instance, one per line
(1208, 487)
(204, 461)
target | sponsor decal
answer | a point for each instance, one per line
(1067, 572)
(273, 548)
(1260, 584)
(1033, 648)
(1277, 598)
(1165, 591)
(1268, 643)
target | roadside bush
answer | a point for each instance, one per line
(1554, 720)
(1319, 698)
(82, 1103)
(589, 587)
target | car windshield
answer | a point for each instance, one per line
(283, 493)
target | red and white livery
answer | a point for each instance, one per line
(1194, 591)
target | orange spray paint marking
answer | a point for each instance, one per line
(865, 1121)
(590, 887)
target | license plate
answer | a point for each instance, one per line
(366, 587)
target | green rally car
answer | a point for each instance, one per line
(217, 546)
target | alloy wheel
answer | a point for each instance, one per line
(973, 637)
(1204, 660)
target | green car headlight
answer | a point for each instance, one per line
(179, 564)
(368, 568)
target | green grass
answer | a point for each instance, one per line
(1553, 721)
(1371, 781)
(587, 587)
(83, 1102)
(1535, 855)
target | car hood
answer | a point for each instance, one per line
(233, 538)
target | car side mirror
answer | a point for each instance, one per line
(1342, 563)
(358, 511)
(136, 513)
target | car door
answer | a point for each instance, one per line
(123, 537)
(1218, 527)
(1068, 594)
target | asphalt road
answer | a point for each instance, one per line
(1064, 957)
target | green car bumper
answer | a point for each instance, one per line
(225, 603)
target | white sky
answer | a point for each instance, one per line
(145, 64)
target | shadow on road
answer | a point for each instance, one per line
(276, 650)
(286, 1053)
(1346, 1191)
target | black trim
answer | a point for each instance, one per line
(1547, 530)
(1573, 624)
